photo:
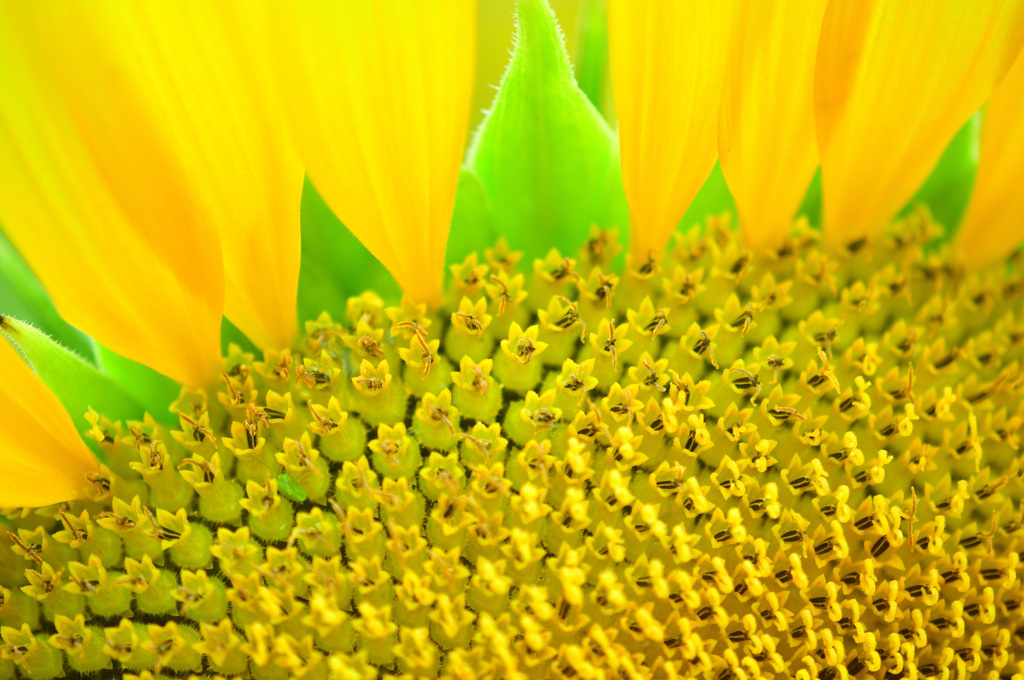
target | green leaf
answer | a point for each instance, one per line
(155, 392)
(948, 188)
(473, 229)
(230, 334)
(811, 206)
(22, 296)
(714, 198)
(335, 265)
(592, 51)
(546, 158)
(76, 382)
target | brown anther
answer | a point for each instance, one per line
(257, 415)
(157, 531)
(427, 357)
(910, 520)
(776, 362)
(491, 481)
(155, 458)
(656, 324)
(571, 317)
(310, 377)
(372, 384)
(483, 446)
(471, 322)
(236, 397)
(413, 326)
(441, 415)
(785, 412)
(29, 550)
(751, 382)
(744, 321)
(652, 380)
(525, 349)
(78, 533)
(504, 297)
(297, 533)
(141, 437)
(326, 423)
(208, 470)
(826, 338)
(199, 433)
(479, 381)
(604, 290)
(711, 350)
(559, 273)
(281, 369)
(306, 460)
(650, 265)
(610, 346)
(739, 267)
(370, 346)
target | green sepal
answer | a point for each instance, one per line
(473, 229)
(335, 265)
(546, 158)
(150, 389)
(592, 66)
(714, 198)
(77, 383)
(25, 298)
(948, 188)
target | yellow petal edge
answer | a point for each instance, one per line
(895, 80)
(994, 224)
(211, 68)
(667, 64)
(378, 99)
(94, 195)
(43, 459)
(766, 142)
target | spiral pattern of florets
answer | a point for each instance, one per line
(722, 465)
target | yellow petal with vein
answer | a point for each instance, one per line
(667, 63)
(766, 142)
(94, 194)
(43, 459)
(895, 80)
(378, 99)
(994, 224)
(210, 70)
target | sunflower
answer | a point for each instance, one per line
(537, 410)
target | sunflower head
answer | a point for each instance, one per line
(781, 450)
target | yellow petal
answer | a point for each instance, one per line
(994, 224)
(895, 80)
(766, 142)
(378, 99)
(667, 63)
(94, 194)
(208, 66)
(42, 457)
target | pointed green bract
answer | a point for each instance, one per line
(23, 297)
(547, 160)
(77, 383)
